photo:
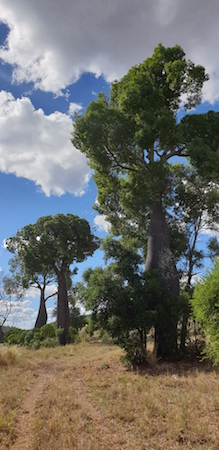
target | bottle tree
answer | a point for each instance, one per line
(129, 140)
(26, 273)
(55, 243)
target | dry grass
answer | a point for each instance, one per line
(89, 401)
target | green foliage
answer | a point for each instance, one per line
(72, 335)
(76, 319)
(213, 247)
(201, 134)
(135, 352)
(36, 338)
(206, 310)
(129, 140)
(123, 298)
(47, 331)
(53, 242)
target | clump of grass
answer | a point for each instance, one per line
(8, 356)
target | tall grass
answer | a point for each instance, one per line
(91, 401)
(7, 356)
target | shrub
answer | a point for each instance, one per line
(135, 353)
(72, 333)
(205, 304)
(47, 331)
(49, 342)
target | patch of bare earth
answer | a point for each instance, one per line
(23, 432)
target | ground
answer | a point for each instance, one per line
(81, 397)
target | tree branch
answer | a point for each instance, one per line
(119, 164)
(172, 153)
(52, 295)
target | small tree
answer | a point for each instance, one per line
(6, 304)
(124, 300)
(55, 243)
(206, 310)
(32, 276)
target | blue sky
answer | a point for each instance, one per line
(54, 59)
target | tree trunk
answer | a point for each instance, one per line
(160, 259)
(1, 333)
(42, 314)
(62, 308)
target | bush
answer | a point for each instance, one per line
(135, 353)
(47, 331)
(49, 342)
(205, 304)
(72, 333)
(15, 336)
(34, 339)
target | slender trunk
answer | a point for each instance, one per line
(42, 313)
(187, 312)
(1, 333)
(160, 259)
(62, 308)
(184, 330)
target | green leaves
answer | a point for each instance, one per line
(206, 310)
(201, 136)
(52, 243)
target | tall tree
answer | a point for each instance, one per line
(129, 141)
(57, 242)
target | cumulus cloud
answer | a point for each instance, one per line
(101, 223)
(74, 107)
(34, 293)
(21, 315)
(52, 43)
(38, 147)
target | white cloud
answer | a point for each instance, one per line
(101, 223)
(4, 243)
(38, 147)
(74, 107)
(22, 315)
(34, 293)
(209, 227)
(210, 232)
(52, 43)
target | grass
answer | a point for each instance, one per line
(88, 400)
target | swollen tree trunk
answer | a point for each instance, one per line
(42, 313)
(62, 307)
(160, 259)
